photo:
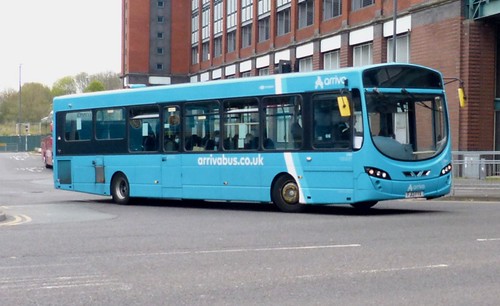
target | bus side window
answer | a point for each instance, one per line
(201, 125)
(240, 124)
(144, 127)
(283, 123)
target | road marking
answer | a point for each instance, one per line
(487, 239)
(61, 282)
(312, 247)
(246, 250)
(404, 269)
(18, 220)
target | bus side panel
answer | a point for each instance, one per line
(84, 178)
(200, 180)
(243, 179)
(222, 176)
(143, 172)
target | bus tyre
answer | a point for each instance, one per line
(285, 194)
(363, 206)
(120, 189)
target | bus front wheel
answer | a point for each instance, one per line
(285, 194)
(120, 189)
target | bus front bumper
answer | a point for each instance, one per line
(370, 188)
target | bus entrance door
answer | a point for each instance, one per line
(171, 176)
(328, 177)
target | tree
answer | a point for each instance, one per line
(64, 86)
(82, 80)
(36, 103)
(94, 86)
(109, 79)
(9, 109)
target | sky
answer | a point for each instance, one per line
(51, 39)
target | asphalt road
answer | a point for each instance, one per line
(64, 248)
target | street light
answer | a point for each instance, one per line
(19, 115)
(394, 28)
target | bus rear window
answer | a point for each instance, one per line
(78, 126)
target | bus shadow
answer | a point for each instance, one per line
(340, 210)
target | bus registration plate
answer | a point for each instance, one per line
(414, 194)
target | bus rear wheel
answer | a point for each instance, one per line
(120, 189)
(285, 194)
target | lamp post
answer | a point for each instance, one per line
(19, 115)
(394, 29)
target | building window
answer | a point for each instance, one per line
(246, 74)
(283, 22)
(331, 9)
(159, 35)
(264, 29)
(217, 46)
(264, 6)
(231, 13)
(161, 4)
(194, 28)
(306, 13)
(194, 55)
(194, 5)
(218, 16)
(331, 60)
(159, 51)
(264, 71)
(205, 51)
(306, 64)
(231, 41)
(362, 55)
(246, 36)
(161, 19)
(402, 49)
(159, 66)
(205, 22)
(359, 4)
(246, 10)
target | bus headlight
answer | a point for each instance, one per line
(375, 172)
(447, 169)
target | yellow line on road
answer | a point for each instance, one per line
(18, 220)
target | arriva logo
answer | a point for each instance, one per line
(329, 81)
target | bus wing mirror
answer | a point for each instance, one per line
(344, 108)
(461, 96)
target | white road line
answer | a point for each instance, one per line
(404, 269)
(245, 250)
(487, 239)
(312, 247)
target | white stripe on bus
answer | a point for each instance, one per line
(290, 167)
(278, 84)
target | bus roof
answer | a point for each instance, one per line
(289, 83)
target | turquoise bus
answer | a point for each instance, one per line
(349, 136)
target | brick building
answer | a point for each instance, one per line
(174, 41)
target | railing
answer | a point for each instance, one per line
(476, 173)
(9, 147)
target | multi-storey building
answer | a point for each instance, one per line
(172, 41)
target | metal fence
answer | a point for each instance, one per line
(476, 173)
(19, 143)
